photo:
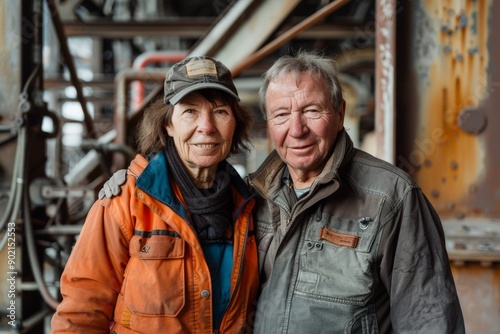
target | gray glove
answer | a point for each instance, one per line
(112, 186)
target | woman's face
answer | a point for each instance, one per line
(202, 132)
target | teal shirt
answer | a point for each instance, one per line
(219, 257)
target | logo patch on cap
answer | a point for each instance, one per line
(201, 67)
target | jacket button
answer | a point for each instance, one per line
(205, 294)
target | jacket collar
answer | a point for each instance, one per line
(343, 152)
(267, 179)
(154, 180)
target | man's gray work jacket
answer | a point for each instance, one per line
(362, 252)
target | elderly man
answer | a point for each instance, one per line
(347, 243)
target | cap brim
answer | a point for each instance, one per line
(204, 85)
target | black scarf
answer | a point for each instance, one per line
(210, 209)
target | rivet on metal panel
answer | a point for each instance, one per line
(427, 163)
(473, 50)
(435, 193)
(453, 165)
(446, 29)
(472, 120)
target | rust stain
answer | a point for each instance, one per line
(449, 160)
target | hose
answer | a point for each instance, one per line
(20, 193)
(12, 209)
(32, 254)
(14, 204)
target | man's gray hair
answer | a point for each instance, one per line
(303, 61)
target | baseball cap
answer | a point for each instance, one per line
(195, 73)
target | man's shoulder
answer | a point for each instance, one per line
(377, 175)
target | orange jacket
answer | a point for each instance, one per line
(137, 266)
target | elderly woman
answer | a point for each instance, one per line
(175, 252)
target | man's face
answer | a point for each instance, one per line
(302, 124)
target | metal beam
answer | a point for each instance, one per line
(194, 29)
(245, 37)
(183, 28)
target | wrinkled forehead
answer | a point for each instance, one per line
(298, 77)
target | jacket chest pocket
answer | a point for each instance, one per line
(154, 282)
(336, 262)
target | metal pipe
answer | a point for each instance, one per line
(88, 163)
(144, 60)
(122, 80)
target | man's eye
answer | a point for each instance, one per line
(281, 118)
(312, 113)
(282, 114)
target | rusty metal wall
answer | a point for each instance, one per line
(453, 154)
(447, 135)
